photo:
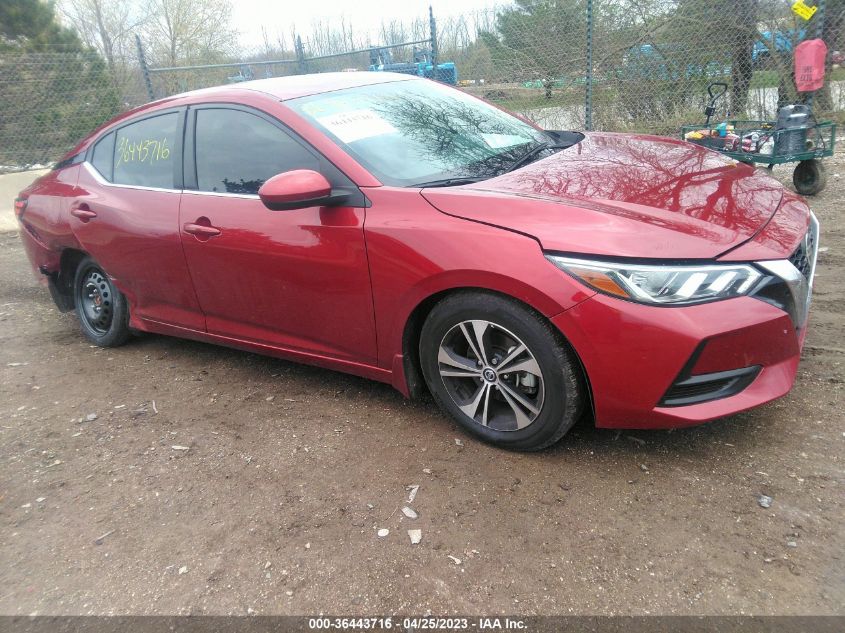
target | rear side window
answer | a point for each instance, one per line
(102, 157)
(236, 152)
(144, 152)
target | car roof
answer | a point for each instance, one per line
(294, 86)
(279, 88)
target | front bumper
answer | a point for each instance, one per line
(664, 367)
(633, 354)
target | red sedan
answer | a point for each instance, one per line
(401, 230)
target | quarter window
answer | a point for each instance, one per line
(144, 152)
(103, 154)
(236, 152)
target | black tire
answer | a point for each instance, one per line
(563, 393)
(809, 177)
(102, 310)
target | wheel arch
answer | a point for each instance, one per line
(61, 281)
(412, 381)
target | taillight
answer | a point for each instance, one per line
(20, 207)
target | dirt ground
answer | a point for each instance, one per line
(289, 472)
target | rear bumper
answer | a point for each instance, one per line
(42, 259)
(46, 265)
(633, 354)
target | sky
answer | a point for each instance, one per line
(364, 15)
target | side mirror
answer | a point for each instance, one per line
(299, 189)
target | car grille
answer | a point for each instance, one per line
(791, 285)
(802, 258)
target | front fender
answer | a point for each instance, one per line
(413, 260)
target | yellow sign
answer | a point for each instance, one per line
(803, 10)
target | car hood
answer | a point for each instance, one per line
(624, 195)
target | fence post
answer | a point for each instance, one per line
(300, 55)
(819, 22)
(588, 84)
(145, 70)
(820, 19)
(432, 25)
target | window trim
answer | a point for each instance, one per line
(177, 151)
(102, 181)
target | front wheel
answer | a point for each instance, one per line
(101, 308)
(501, 371)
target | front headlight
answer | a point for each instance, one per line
(671, 284)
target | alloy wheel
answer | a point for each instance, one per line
(491, 375)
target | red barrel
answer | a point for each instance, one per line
(809, 65)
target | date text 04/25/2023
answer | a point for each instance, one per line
(424, 623)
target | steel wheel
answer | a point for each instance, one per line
(491, 375)
(96, 301)
(101, 308)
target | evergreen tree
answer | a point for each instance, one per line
(53, 90)
(32, 26)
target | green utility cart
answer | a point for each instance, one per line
(769, 143)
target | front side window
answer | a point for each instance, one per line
(144, 152)
(236, 152)
(406, 132)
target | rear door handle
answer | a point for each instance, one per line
(83, 213)
(201, 230)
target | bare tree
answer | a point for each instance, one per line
(185, 31)
(109, 28)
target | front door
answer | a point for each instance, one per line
(292, 279)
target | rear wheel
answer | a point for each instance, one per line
(101, 308)
(500, 370)
(809, 177)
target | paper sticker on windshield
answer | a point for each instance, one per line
(498, 141)
(355, 125)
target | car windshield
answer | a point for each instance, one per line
(413, 132)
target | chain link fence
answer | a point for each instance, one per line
(626, 65)
(645, 65)
(48, 101)
(276, 63)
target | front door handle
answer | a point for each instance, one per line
(201, 230)
(83, 212)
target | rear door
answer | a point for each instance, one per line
(127, 217)
(293, 279)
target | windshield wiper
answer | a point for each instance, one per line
(531, 153)
(448, 182)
